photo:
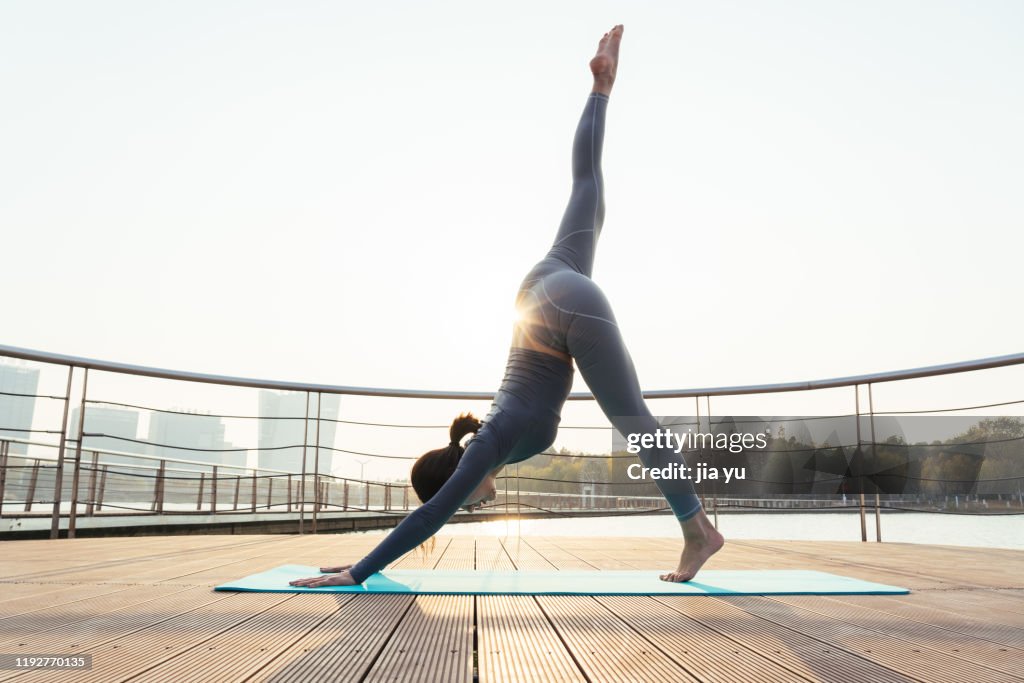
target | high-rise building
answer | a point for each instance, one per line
(16, 412)
(276, 433)
(191, 431)
(111, 422)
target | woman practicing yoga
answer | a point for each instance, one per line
(563, 316)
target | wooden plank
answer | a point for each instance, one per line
(17, 591)
(434, 641)
(238, 653)
(806, 656)
(120, 561)
(85, 636)
(919, 637)
(31, 624)
(705, 653)
(460, 553)
(517, 644)
(995, 607)
(515, 640)
(523, 555)
(347, 643)
(555, 553)
(168, 635)
(861, 568)
(991, 567)
(491, 555)
(342, 647)
(1014, 594)
(890, 652)
(82, 595)
(424, 557)
(968, 625)
(603, 646)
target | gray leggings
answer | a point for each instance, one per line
(563, 308)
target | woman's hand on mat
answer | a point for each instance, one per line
(342, 579)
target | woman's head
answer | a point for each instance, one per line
(432, 469)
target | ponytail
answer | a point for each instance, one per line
(432, 469)
(462, 425)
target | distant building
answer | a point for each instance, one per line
(16, 412)
(112, 422)
(277, 433)
(190, 431)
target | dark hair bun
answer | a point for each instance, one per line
(432, 469)
(462, 425)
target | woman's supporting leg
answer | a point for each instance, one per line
(595, 342)
(604, 362)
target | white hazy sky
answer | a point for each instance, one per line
(350, 192)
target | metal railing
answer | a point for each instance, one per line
(219, 489)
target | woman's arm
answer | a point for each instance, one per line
(479, 459)
(427, 519)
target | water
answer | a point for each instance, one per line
(985, 531)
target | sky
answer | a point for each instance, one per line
(349, 193)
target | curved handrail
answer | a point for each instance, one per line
(107, 366)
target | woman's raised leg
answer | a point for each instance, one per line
(576, 241)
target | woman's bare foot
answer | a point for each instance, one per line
(606, 61)
(702, 540)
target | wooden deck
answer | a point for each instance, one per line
(145, 610)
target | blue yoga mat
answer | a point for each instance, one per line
(438, 582)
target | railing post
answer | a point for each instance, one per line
(860, 481)
(696, 400)
(405, 496)
(344, 495)
(289, 493)
(874, 455)
(103, 487)
(316, 461)
(78, 459)
(519, 508)
(3, 472)
(160, 483)
(327, 494)
(213, 491)
(90, 506)
(270, 492)
(238, 486)
(302, 480)
(199, 498)
(366, 502)
(58, 482)
(33, 479)
(254, 492)
(156, 491)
